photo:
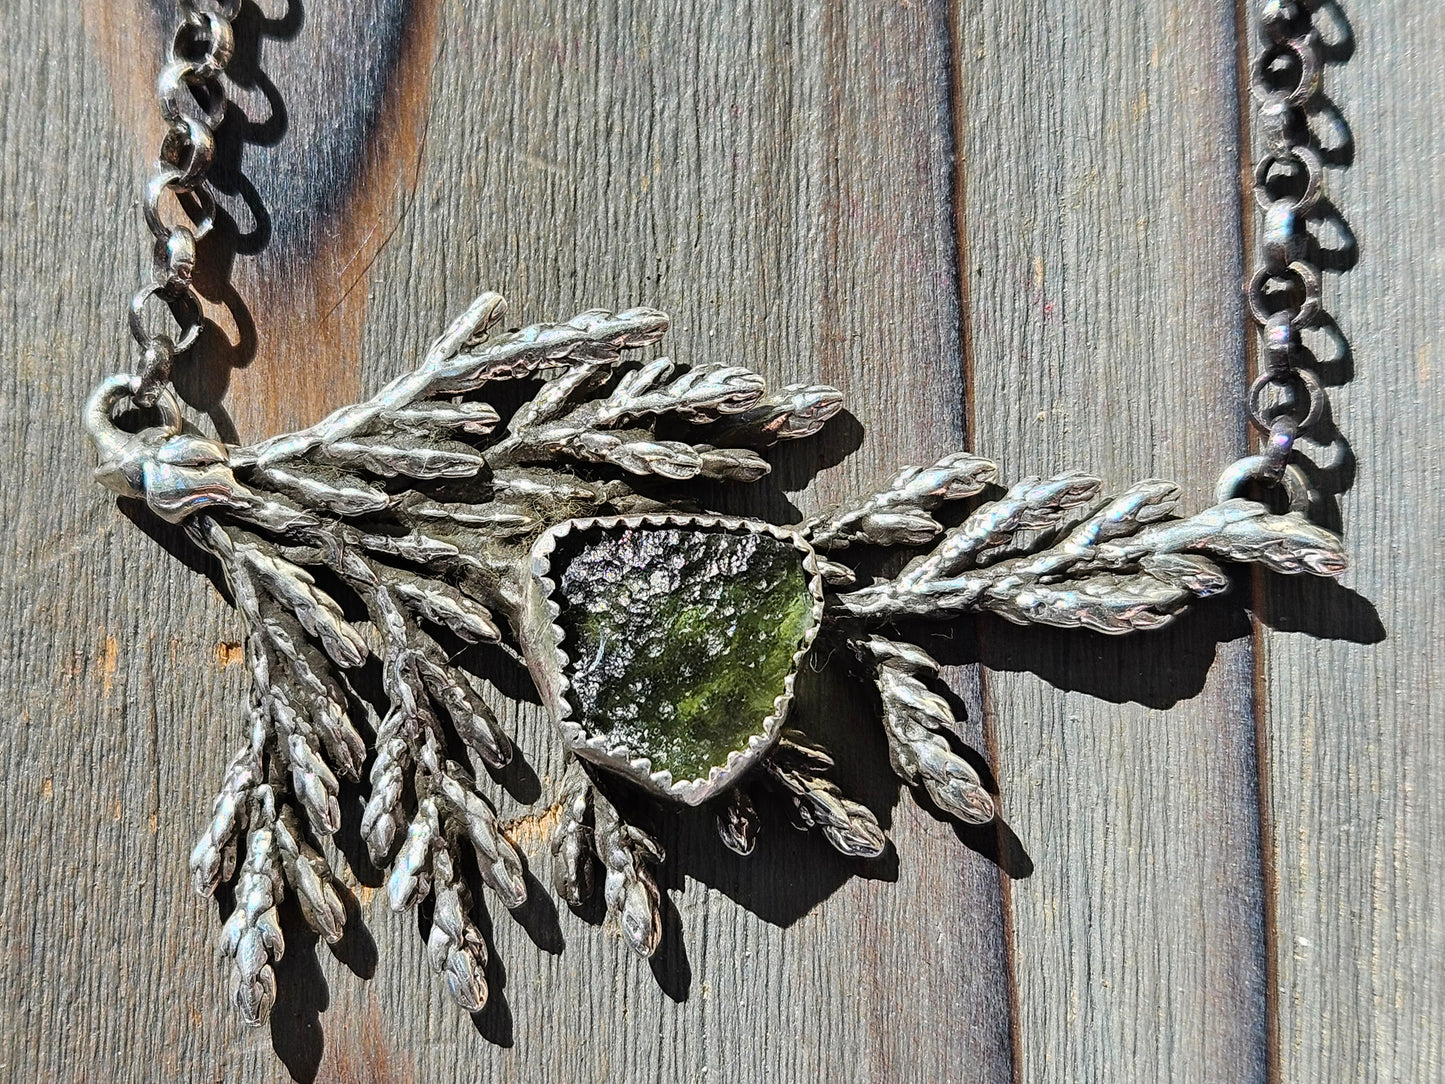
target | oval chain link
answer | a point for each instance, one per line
(1285, 400)
(193, 105)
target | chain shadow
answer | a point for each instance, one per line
(202, 376)
(1330, 246)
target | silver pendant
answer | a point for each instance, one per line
(663, 639)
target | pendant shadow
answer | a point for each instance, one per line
(791, 872)
(302, 995)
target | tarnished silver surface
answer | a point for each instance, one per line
(1050, 552)
(1286, 399)
(193, 105)
(437, 517)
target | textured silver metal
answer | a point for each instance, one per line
(1283, 292)
(438, 517)
(433, 518)
(1051, 552)
(193, 105)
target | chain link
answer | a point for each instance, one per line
(193, 105)
(1285, 400)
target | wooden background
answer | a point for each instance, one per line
(1009, 225)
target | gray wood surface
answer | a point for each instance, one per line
(1105, 332)
(1353, 730)
(1014, 227)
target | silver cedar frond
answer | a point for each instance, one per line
(333, 491)
(398, 526)
(295, 589)
(312, 781)
(797, 766)
(410, 879)
(251, 937)
(914, 720)
(1128, 565)
(318, 694)
(309, 877)
(703, 393)
(383, 819)
(445, 606)
(213, 859)
(388, 459)
(1034, 504)
(423, 505)
(474, 419)
(790, 413)
(497, 857)
(469, 330)
(426, 865)
(1236, 530)
(474, 722)
(628, 855)
(455, 947)
(572, 844)
(899, 513)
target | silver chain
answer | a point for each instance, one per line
(1286, 400)
(193, 104)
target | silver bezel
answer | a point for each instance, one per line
(542, 644)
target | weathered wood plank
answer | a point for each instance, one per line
(1103, 264)
(722, 163)
(1352, 727)
(781, 181)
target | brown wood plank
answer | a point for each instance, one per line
(781, 181)
(1101, 216)
(1351, 722)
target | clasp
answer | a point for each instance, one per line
(176, 473)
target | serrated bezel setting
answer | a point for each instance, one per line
(547, 658)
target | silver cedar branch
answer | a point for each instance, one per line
(797, 767)
(915, 720)
(398, 530)
(1051, 552)
(415, 510)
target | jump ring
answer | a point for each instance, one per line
(1308, 310)
(1307, 84)
(211, 30)
(1256, 468)
(176, 88)
(171, 179)
(188, 147)
(189, 318)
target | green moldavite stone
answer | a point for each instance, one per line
(680, 639)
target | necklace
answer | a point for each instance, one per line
(664, 639)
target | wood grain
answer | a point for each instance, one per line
(1352, 678)
(1016, 226)
(1105, 324)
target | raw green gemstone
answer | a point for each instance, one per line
(680, 639)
